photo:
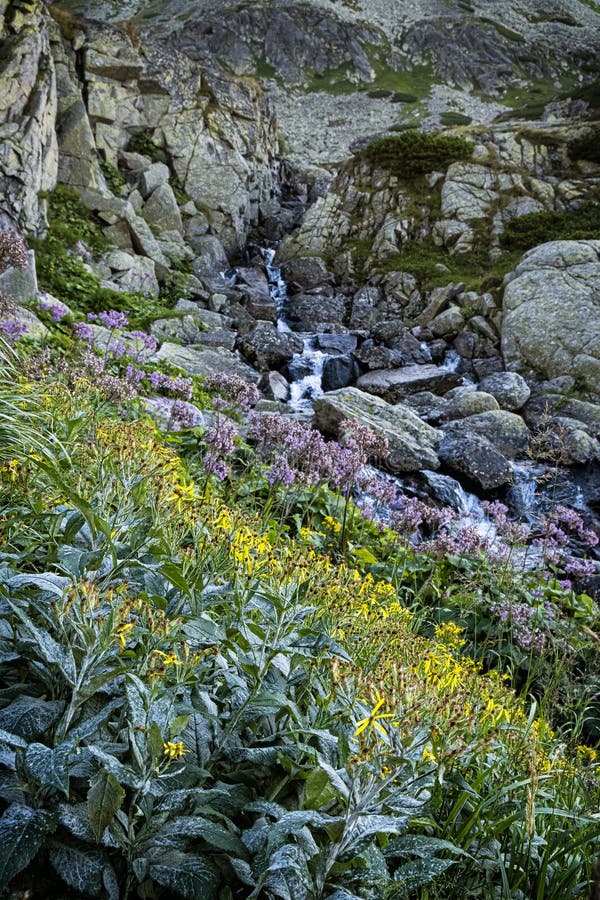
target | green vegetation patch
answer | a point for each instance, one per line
(74, 231)
(413, 153)
(586, 147)
(524, 232)
(451, 118)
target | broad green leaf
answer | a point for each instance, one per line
(49, 766)
(172, 572)
(12, 740)
(52, 651)
(189, 876)
(124, 774)
(366, 826)
(186, 827)
(104, 798)
(324, 785)
(202, 631)
(420, 872)
(89, 727)
(197, 738)
(30, 717)
(292, 823)
(49, 582)
(137, 700)
(23, 831)
(155, 743)
(420, 845)
(288, 876)
(80, 869)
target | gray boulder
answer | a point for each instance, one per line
(20, 284)
(505, 431)
(466, 404)
(267, 348)
(551, 323)
(396, 384)
(211, 257)
(161, 211)
(509, 388)
(305, 272)
(412, 442)
(312, 312)
(206, 361)
(472, 457)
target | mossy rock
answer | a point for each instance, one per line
(586, 147)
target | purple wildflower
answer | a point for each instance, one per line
(83, 331)
(216, 466)
(280, 472)
(12, 329)
(221, 437)
(148, 341)
(237, 391)
(49, 304)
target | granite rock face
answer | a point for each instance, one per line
(551, 322)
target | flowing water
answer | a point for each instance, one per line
(534, 491)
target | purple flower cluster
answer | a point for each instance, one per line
(216, 466)
(221, 436)
(513, 533)
(521, 617)
(82, 252)
(574, 523)
(147, 341)
(234, 391)
(49, 304)
(13, 251)
(12, 329)
(280, 472)
(410, 514)
(83, 331)
(179, 414)
(179, 385)
(112, 319)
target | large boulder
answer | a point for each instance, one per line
(472, 457)
(505, 431)
(509, 388)
(311, 312)
(551, 323)
(412, 442)
(267, 348)
(210, 361)
(305, 272)
(396, 384)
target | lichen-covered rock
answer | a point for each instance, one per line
(412, 442)
(196, 361)
(396, 384)
(551, 323)
(510, 390)
(267, 348)
(474, 458)
(505, 431)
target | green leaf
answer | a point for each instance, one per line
(420, 872)
(104, 798)
(137, 700)
(155, 743)
(30, 717)
(172, 572)
(80, 869)
(189, 876)
(49, 767)
(203, 632)
(366, 826)
(323, 785)
(186, 827)
(420, 845)
(288, 876)
(23, 831)
(48, 582)
(52, 651)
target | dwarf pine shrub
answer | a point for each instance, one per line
(412, 153)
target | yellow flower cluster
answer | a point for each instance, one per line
(174, 749)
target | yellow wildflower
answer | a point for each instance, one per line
(123, 632)
(333, 524)
(372, 720)
(174, 749)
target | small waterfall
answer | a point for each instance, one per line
(306, 369)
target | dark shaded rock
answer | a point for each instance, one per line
(472, 457)
(315, 312)
(509, 388)
(395, 384)
(342, 343)
(266, 348)
(374, 357)
(485, 367)
(339, 372)
(304, 273)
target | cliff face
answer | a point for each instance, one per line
(75, 93)
(338, 69)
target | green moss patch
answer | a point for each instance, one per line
(527, 231)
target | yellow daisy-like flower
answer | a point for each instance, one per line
(169, 659)
(123, 632)
(373, 719)
(174, 749)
